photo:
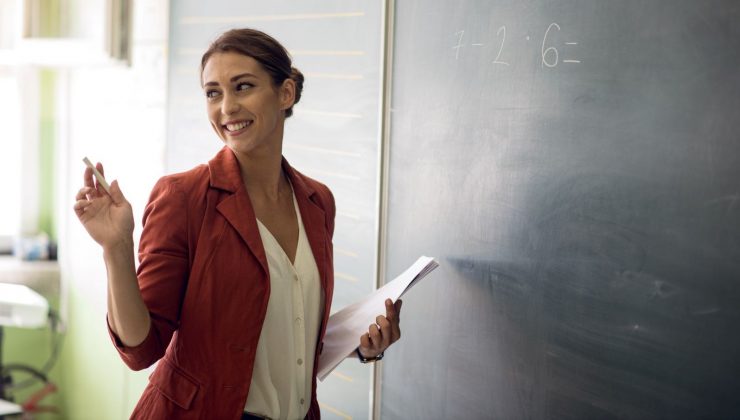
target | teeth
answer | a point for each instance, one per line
(237, 126)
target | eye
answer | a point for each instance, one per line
(211, 93)
(244, 86)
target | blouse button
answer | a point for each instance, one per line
(300, 362)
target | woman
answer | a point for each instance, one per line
(235, 280)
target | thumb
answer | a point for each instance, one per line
(115, 193)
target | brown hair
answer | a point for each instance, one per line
(265, 49)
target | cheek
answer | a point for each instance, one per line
(214, 122)
(213, 117)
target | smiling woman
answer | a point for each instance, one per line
(235, 256)
(246, 107)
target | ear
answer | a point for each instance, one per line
(287, 93)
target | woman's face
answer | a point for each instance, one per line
(245, 108)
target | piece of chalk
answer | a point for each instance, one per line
(97, 174)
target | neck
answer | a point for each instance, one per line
(262, 174)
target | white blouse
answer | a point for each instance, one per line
(283, 366)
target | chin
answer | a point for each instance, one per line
(241, 147)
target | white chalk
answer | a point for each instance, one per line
(97, 174)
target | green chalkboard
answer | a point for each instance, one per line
(574, 166)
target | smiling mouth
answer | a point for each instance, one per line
(237, 126)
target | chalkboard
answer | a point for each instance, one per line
(574, 166)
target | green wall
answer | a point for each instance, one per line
(32, 347)
(47, 127)
(93, 383)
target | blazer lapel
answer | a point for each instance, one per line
(314, 219)
(236, 207)
(237, 210)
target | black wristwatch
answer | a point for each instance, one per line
(364, 359)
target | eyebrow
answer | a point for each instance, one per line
(233, 79)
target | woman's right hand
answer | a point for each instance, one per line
(108, 218)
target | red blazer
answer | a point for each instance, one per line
(203, 275)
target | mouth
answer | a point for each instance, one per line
(236, 127)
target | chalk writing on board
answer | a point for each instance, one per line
(549, 52)
(459, 35)
(502, 33)
(552, 51)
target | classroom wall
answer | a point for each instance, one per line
(33, 347)
(116, 115)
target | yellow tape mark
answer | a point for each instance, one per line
(326, 52)
(322, 150)
(347, 277)
(299, 111)
(200, 20)
(335, 411)
(346, 252)
(342, 376)
(336, 76)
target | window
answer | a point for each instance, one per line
(10, 154)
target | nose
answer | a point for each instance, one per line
(229, 105)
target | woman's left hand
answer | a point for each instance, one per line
(384, 332)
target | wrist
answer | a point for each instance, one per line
(121, 248)
(364, 359)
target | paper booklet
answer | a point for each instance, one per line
(344, 328)
(7, 407)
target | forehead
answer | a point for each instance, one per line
(221, 67)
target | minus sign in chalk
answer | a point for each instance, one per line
(97, 174)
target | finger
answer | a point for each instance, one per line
(397, 306)
(80, 207)
(88, 177)
(116, 194)
(390, 310)
(82, 204)
(395, 329)
(386, 334)
(82, 193)
(365, 342)
(396, 321)
(375, 337)
(98, 186)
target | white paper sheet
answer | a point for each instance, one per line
(344, 328)
(7, 407)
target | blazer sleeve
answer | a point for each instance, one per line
(162, 273)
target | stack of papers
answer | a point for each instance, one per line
(7, 407)
(345, 327)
